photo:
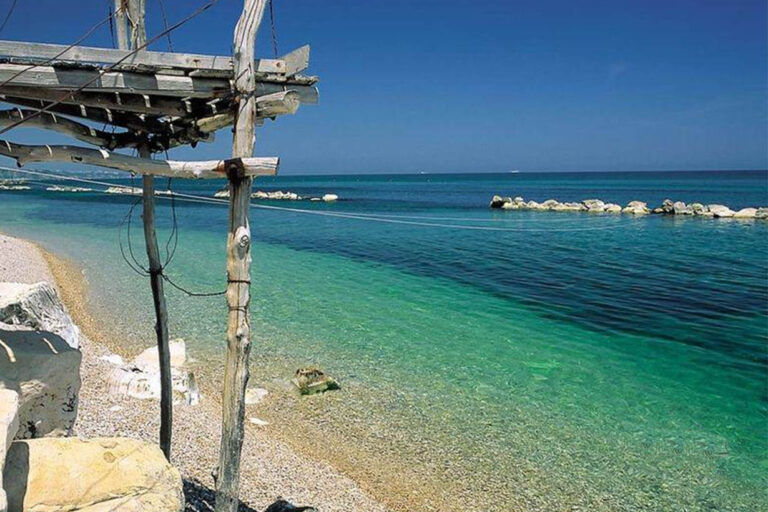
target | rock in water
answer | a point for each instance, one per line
(283, 506)
(37, 306)
(97, 475)
(312, 380)
(668, 207)
(329, 198)
(721, 211)
(680, 208)
(496, 202)
(45, 371)
(636, 208)
(745, 213)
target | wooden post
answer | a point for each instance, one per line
(138, 38)
(238, 261)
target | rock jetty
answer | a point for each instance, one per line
(279, 195)
(668, 207)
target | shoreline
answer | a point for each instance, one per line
(270, 467)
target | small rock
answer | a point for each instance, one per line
(312, 380)
(255, 395)
(328, 198)
(257, 421)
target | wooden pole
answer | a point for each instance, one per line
(238, 262)
(138, 38)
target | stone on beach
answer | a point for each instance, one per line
(149, 360)
(95, 475)
(9, 425)
(312, 380)
(255, 395)
(37, 306)
(45, 371)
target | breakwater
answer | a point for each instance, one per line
(668, 207)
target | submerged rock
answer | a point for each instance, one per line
(95, 475)
(37, 306)
(312, 380)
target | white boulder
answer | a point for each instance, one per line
(329, 198)
(745, 213)
(148, 360)
(612, 208)
(719, 210)
(636, 208)
(95, 475)
(45, 371)
(37, 306)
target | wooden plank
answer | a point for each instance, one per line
(43, 77)
(238, 263)
(220, 65)
(66, 126)
(296, 61)
(205, 169)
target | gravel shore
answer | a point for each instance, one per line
(269, 467)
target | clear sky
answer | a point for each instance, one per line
(481, 86)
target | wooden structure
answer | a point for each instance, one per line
(155, 101)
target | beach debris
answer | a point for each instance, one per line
(668, 207)
(141, 378)
(281, 505)
(45, 371)
(108, 473)
(256, 421)
(37, 306)
(255, 395)
(312, 380)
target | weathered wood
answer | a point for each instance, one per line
(66, 126)
(238, 263)
(253, 166)
(138, 38)
(216, 65)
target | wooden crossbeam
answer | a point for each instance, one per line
(287, 65)
(252, 166)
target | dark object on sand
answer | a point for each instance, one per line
(283, 506)
(312, 380)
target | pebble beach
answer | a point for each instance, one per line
(270, 469)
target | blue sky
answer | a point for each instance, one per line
(483, 86)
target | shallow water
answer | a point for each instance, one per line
(557, 360)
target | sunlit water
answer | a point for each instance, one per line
(556, 360)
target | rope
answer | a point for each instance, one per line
(8, 16)
(165, 24)
(178, 24)
(272, 22)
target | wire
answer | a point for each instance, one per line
(165, 24)
(112, 66)
(8, 16)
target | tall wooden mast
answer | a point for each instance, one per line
(238, 261)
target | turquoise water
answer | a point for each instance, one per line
(547, 360)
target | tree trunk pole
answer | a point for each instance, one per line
(238, 262)
(135, 15)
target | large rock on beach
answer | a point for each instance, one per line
(45, 372)
(97, 475)
(9, 425)
(141, 378)
(37, 306)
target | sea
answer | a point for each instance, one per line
(488, 360)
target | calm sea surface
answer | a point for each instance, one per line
(489, 360)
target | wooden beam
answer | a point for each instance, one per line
(238, 263)
(216, 65)
(66, 126)
(205, 169)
